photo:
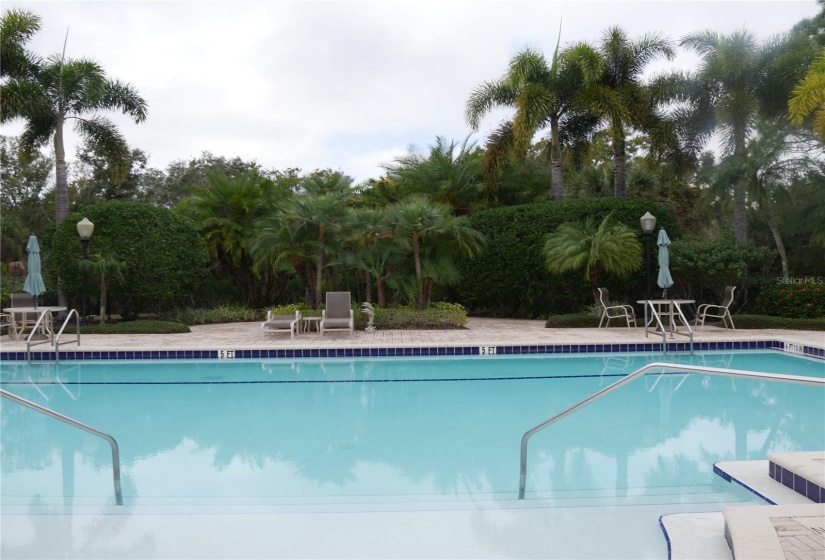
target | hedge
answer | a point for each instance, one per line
(791, 300)
(136, 327)
(510, 279)
(166, 259)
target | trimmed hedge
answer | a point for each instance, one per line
(572, 321)
(769, 322)
(166, 259)
(440, 315)
(226, 314)
(141, 326)
(510, 279)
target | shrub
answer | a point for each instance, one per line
(572, 321)
(141, 326)
(226, 314)
(791, 300)
(166, 260)
(440, 315)
(510, 279)
(769, 322)
(702, 269)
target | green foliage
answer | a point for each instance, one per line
(141, 326)
(805, 300)
(572, 321)
(165, 257)
(767, 322)
(224, 314)
(510, 278)
(440, 315)
(701, 266)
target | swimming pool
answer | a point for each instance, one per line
(391, 434)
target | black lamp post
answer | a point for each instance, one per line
(85, 229)
(648, 222)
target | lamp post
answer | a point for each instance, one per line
(85, 229)
(648, 222)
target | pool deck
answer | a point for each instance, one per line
(471, 533)
(479, 331)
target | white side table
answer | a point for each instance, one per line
(307, 322)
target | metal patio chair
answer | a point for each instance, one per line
(717, 311)
(610, 311)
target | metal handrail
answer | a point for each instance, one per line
(673, 330)
(627, 379)
(82, 426)
(62, 328)
(29, 342)
(661, 325)
(684, 321)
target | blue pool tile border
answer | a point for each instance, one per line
(358, 352)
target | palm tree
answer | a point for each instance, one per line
(809, 97)
(316, 219)
(105, 268)
(611, 247)
(541, 94)
(448, 174)
(615, 91)
(738, 81)
(416, 220)
(18, 66)
(63, 90)
(227, 212)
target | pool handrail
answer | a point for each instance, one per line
(816, 381)
(60, 333)
(82, 426)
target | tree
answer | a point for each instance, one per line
(23, 184)
(809, 98)
(541, 94)
(738, 81)
(609, 247)
(615, 91)
(105, 268)
(62, 90)
(448, 174)
(227, 212)
(420, 225)
(18, 66)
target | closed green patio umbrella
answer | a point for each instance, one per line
(665, 279)
(34, 281)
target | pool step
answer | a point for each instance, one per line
(802, 472)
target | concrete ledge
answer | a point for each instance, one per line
(809, 465)
(751, 533)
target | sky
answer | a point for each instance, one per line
(345, 85)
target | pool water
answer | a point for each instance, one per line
(393, 434)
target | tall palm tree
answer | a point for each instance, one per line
(18, 66)
(75, 91)
(809, 97)
(541, 94)
(615, 90)
(739, 80)
(609, 247)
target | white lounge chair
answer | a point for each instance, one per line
(282, 323)
(338, 315)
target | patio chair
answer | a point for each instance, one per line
(7, 322)
(717, 311)
(338, 314)
(282, 323)
(23, 320)
(610, 311)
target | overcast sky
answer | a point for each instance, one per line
(346, 85)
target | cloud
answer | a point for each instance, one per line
(345, 85)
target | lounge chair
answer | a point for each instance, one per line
(338, 314)
(282, 323)
(610, 311)
(717, 311)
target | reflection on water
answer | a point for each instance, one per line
(280, 431)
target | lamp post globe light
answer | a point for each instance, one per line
(648, 222)
(85, 229)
